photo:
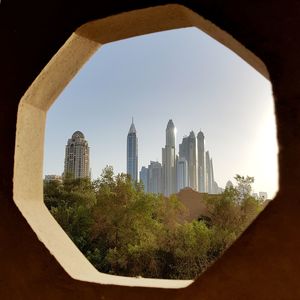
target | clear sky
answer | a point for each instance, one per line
(183, 75)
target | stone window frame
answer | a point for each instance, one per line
(31, 120)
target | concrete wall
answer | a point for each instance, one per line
(263, 264)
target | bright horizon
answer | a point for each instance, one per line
(183, 75)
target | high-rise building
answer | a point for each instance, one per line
(209, 182)
(144, 178)
(201, 163)
(169, 161)
(77, 157)
(184, 148)
(214, 185)
(132, 153)
(188, 151)
(155, 177)
(182, 173)
(192, 162)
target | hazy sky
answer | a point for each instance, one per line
(182, 75)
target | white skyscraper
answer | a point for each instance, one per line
(188, 150)
(77, 156)
(192, 162)
(182, 173)
(155, 177)
(169, 161)
(209, 182)
(201, 163)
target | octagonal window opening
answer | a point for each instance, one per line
(176, 96)
(179, 82)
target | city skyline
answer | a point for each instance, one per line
(180, 74)
(173, 173)
(180, 170)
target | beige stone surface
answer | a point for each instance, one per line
(263, 264)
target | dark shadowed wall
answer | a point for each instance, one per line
(265, 262)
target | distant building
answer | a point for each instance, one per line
(214, 187)
(169, 161)
(53, 178)
(188, 151)
(155, 178)
(263, 195)
(209, 181)
(144, 178)
(152, 178)
(77, 156)
(255, 195)
(229, 184)
(182, 173)
(221, 190)
(132, 153)
(201, 163)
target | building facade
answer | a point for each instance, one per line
(155, 177)
(201, 162)
(169, 161)
(132, 153)
(188, 151)
(182, 174)
(209, 182)
(144, 178)
(77, 156)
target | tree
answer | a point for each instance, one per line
(123, 230)
(231, 213)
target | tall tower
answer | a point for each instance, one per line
(169, 160)
(188, 151)
(212, 177)
(132, 153)
(144, 178)
(192, 162)
(155, 177)
(209, 182)
(182, 173)
(215, 187)
(77, 156)
(201, 163)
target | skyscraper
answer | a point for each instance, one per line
(215, 187)
(201, 163)
(188, 151)
(155, 177)
(209, 183)
(144, 178)
(192, 162)
(132, 153)
(182, 173)
(169, 161)
(77, 156)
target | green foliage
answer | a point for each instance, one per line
(231, 214)
(123, 230)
